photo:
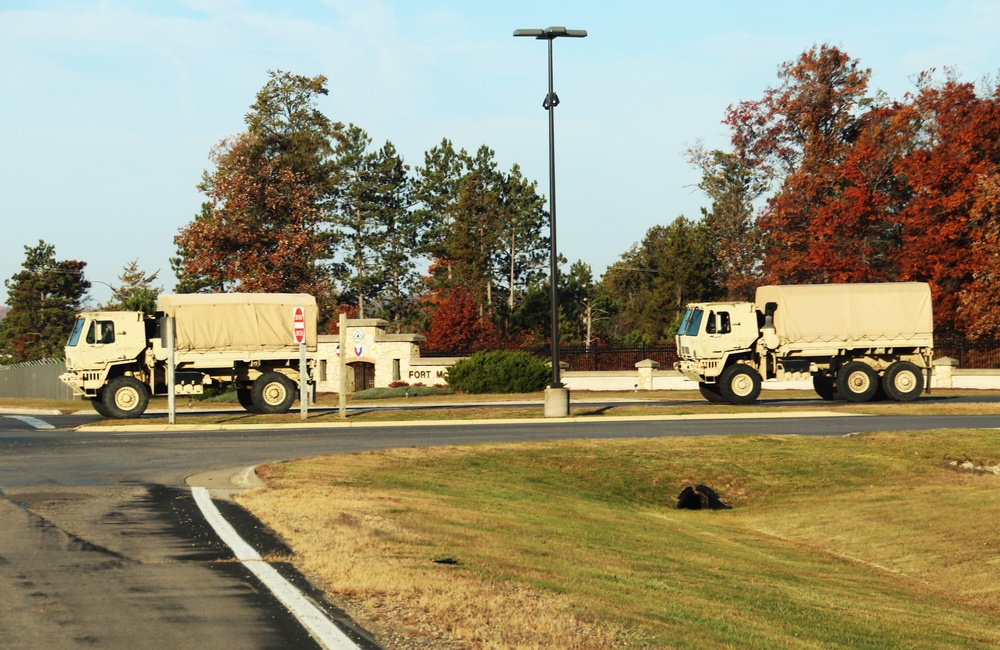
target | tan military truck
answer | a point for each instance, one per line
(119, 359)
(856, 341)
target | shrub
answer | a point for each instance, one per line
(498, 371)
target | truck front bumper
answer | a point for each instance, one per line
(74, 381)
(691, 369)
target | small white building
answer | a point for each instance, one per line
(375, 358)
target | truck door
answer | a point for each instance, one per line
(104, 339)
(717, 327)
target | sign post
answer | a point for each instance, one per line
(342, 361)
(169, 326)
(299, 332)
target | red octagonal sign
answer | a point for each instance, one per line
(299, 325)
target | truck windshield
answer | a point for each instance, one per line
(74, 336)
(693, 322)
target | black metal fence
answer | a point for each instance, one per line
(614, 357)
(971, 355)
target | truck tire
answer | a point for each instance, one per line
(824, 387)
(125, 397)
(98, 404)
(739, 384)
(272, 392)
(857, 381)
(243, 395)
(710, 392)
(903, 381)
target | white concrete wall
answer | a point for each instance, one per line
(673, 380)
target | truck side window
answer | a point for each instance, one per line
(718, 323)
(723, 324)
(107, 331)
(102, 331)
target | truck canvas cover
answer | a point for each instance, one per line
(238, 321)
(885, 313)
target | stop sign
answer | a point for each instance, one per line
(299, 324)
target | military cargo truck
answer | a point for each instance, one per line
(118, 359)
(856, 341)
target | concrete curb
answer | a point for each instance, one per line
(28, 411)
(227, 480)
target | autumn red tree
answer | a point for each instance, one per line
(979, 302)
(456, 324)
(950, 214)
(871, 190)
(263, 227)
(798, 134)
(258, 234)
(855, 232)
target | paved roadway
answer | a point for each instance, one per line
(102, 546)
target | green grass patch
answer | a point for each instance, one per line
(866, 541)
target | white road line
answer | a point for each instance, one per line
(322, 628)
(35, 422)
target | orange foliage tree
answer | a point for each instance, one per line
(869, 190)
(456, 325)
(264, 227)
(947, 215)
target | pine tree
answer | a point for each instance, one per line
(395, 247)
(477, 227)
(135, 291)
(435, 194)
(523, 249)
(44, 300)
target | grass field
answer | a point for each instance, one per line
(865, 541)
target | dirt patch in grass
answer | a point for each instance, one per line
(866, 541)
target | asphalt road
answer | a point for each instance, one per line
(102, 546)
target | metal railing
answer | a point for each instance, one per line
(971, 355)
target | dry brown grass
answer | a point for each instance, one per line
(380, 553)
(864, 541)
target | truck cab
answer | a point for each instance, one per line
(711, 333)
(100, 345)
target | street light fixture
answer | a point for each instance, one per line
(557, 397)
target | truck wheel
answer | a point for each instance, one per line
(273, 392)
(903, 381)
(739, 384)
(245, 398)
(98, 405)
(824, 387)
(125, 397)
(857, 381)
(710, 392)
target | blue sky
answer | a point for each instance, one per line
(108, 109)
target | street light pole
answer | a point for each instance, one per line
(551, 101)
